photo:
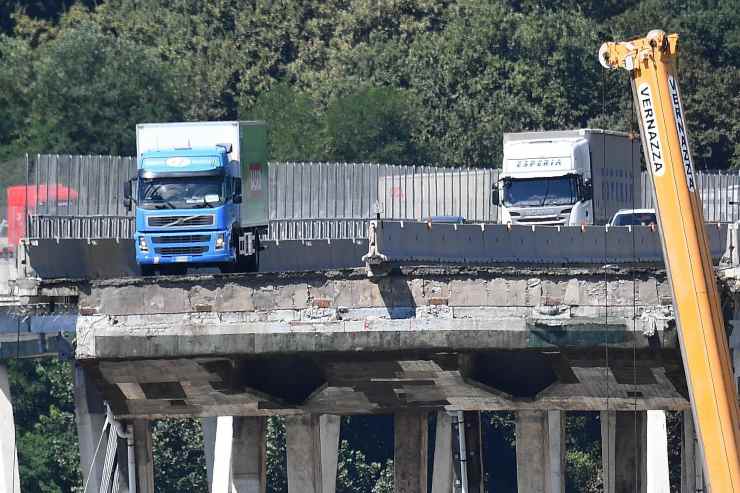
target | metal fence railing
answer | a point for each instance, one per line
(719, 192)
(82, 196)
(305, 190)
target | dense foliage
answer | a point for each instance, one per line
(430, 81)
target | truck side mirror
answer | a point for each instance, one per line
(237, 198)
(588, 191)
(127, 195)
(495, 199)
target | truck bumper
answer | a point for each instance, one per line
(183, 248)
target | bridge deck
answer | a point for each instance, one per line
(338, 342)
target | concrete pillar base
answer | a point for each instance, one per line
(442, 475)
(692, 469)
(90, 417)
(624, 450)
(144, 456)
(248, 455)
(540, 451)
(9, 480)
(410, 452)
(312, 447)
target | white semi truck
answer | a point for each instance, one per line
(567, 177)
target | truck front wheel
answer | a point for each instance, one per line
(147, 270)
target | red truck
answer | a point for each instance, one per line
(24, 199)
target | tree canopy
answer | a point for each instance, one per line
(431, 81)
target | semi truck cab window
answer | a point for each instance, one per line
(180, 193)
(538, 192)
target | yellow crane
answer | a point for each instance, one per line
(651, 63)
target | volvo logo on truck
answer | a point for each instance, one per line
(653, 148)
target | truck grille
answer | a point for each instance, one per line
(188, 250)
(543, 220)
(181, 239)
(180, 221)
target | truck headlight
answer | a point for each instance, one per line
(220, 241)
(142, 245)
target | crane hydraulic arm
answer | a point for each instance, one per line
(651, 62)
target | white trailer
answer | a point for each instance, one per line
(568, 177)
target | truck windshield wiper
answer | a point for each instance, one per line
(547, 192)
(164, 201)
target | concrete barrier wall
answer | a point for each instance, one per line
(401, 242)
(496, 243)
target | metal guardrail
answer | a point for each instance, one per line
(80, 227)
(308, 200)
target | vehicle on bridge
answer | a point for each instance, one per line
(567, 177)
(634, 217)
(192, 207)
(25, 200)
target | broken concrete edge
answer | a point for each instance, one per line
(71, 287)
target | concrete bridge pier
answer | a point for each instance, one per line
(623, 451)
(235, 453)
(540, 451)
(692, 469)
(9, 480)
(410, 430)
(90, 418)
(442, 469)
(312, 443)
(143, 455)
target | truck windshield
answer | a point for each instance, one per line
(538, 192)
(180, 193)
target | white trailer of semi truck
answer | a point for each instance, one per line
(567, 177)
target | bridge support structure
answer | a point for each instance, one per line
(90, 418)
(235, 453)
(540, 451)
(634, 451)
(410, 430)
(312, 447)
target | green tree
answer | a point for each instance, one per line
(373, 124)
(296, 126)
(89, 91)
(492, 69)
(46, 435)
(179, 460)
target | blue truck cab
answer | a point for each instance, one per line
(191, 209)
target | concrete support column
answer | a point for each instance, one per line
(540, 451)
(248, 455)
(658, 480)
(442, 476)
(235, 454)
(312, 446)
(624, 450)
(410, 452)
(90, 417)
(692, 469)
(208, 425)
(143, 456)
(223, 449)
(9, 480)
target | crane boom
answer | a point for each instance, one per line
(651, 62)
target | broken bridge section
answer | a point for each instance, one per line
(418, 338)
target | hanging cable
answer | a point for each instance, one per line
(607, 426)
